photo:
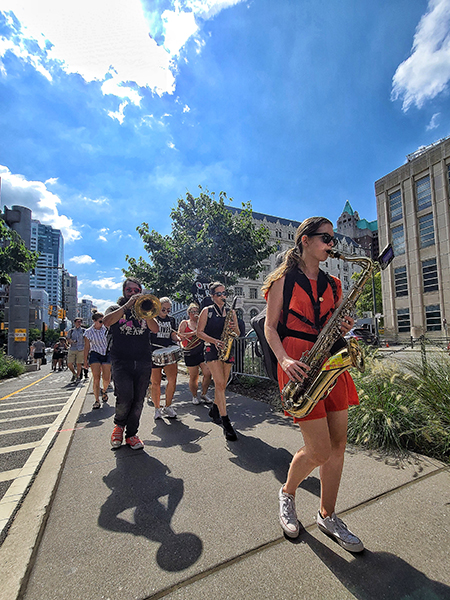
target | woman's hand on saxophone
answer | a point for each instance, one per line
(295, 369)
(347, 324)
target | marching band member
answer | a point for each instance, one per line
(210, 328)
(193, 352)
(324, 430)
(165, 336)
(131, 358)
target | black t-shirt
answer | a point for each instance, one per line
(130, 339)
(163, 338)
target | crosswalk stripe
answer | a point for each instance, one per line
(49, 414)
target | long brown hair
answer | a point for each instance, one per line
(293, 257)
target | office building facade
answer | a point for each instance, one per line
(414, 216)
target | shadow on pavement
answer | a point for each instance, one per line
(95, 418)
(377, 575)
(173, 432)
(143, 501)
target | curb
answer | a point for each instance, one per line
(19, 549)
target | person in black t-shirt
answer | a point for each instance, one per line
(165, 337)
(131, 359)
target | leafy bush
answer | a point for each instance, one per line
(403, 408)
(10, 367)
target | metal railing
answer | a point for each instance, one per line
(248, 358)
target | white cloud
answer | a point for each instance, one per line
(84, 259)
(15, 189)
(107, 283)
(90, 37)
(109, 41)
(101, 304)
(426, 72)
(433, 122)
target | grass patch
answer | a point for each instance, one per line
(403, 408)
(10, 367)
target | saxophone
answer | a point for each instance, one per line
(228, 334)
(300, 397)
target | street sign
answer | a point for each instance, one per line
(20, 335)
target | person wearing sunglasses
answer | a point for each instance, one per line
(193, 354)
(96, 356)
(131, 360)
(210, 327)
(166, 336)
(312, 301)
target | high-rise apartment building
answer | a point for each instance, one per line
(70, 295)
(48, 273)
(414, 216)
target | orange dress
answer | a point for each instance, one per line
(344, 392)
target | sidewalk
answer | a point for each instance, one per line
(192, 516)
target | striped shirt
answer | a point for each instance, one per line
(97, 338)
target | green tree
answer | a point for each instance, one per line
(14, 255)
(207, 240)
(365, 301)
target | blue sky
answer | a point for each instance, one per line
(110, 111)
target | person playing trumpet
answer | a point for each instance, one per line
(131, 358)
(193, 352)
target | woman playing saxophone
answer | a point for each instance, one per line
(313, 300)
(214, 323)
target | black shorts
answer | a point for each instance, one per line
(211, 353)
(193, 360)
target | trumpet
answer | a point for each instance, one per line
(146, 306)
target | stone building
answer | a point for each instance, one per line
(364, 232)
(282, 234)
(414, 216)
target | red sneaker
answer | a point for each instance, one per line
(134, 442)
(117, 436)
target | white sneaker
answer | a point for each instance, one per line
(206, 399)
(288, 514)
(170, 412)
(158, 414)
(338, 530)
(195, 400)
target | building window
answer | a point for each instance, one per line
(430, 276)
(433, 317)
(398, 240)
(426, 230)
(395, 202)
(401, 281)
(403, 320)
(423, 193)
(239, 291)
(253, 293)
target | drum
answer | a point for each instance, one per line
(166, 356)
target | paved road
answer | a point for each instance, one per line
(32, 408)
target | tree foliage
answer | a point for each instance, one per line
(365, 301)
(14, 255)
(207, 240)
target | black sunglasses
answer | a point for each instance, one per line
(326, 238)
(220, 294)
